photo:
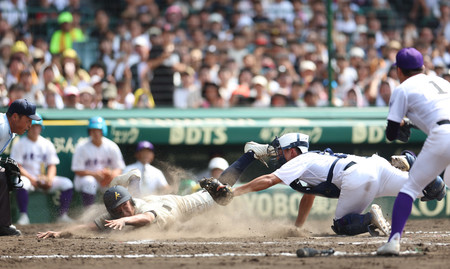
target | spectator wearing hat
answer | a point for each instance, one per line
(17, 120)
(5, 54)
(188, 94)
(87, 96)
(72, 97)
(63, 38)
(216, 166)
(140, 71)
(72, 73)
(152, 179)
(109, 96)
(259, 92)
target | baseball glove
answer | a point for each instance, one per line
(222, 194)
(404, 132)
(12, 171)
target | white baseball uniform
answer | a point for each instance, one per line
(5, 132)
(89, 157)
(169, 208)
(425, 100)
(369, 178)
(34, 154)
(152, 178)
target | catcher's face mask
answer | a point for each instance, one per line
(287, 141)
(277, 159)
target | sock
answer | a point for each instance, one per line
(234, 171)
(400, 213)
(64, 199)
(22, 200)
(88, 199)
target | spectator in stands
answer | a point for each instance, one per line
(72, 73)
(32, 94)
(87, 96)
(140, 71)
(72, 97)
(15, 91)
(41, 21)
(259, 92)
(63, 38)
(279, 100)
(95, 162)
(101, 25)
(37, 160)
(164, 62)
(188, 94)
(211, 96)
(15, 13)
(52, 97)
(125, 96)
(5, 54)
(152, 180)
(15, 67)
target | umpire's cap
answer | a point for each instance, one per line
(114, 197)
(23, 107)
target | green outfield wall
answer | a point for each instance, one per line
(184, 139)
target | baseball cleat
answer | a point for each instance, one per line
(125, 179)
(23, 219)
(260, 151)
(390, 248)
(400, 162)
(378, 219)
(9, 230)
(221, 194)
(64, 219)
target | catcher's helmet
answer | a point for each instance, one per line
(98, 123)
(287, 141)
(291, 140)
(114, 197)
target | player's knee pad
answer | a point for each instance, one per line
(435, 190)
(352, 224)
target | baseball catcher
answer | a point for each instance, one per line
(326, 174)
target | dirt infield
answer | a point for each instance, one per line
(206, 242)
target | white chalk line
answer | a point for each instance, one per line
(177, 256)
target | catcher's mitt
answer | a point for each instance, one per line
(222, 194)
(12, 171)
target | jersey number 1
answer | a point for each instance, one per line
(440, 91)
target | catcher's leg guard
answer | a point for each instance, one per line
(435, 190)
(234, 171)
(352, 224)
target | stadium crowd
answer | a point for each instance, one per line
(201, 53)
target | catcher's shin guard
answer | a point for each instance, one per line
(221, 194)
(435, 190)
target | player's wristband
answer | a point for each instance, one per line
(154, 213)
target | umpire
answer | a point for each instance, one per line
(17, 120)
